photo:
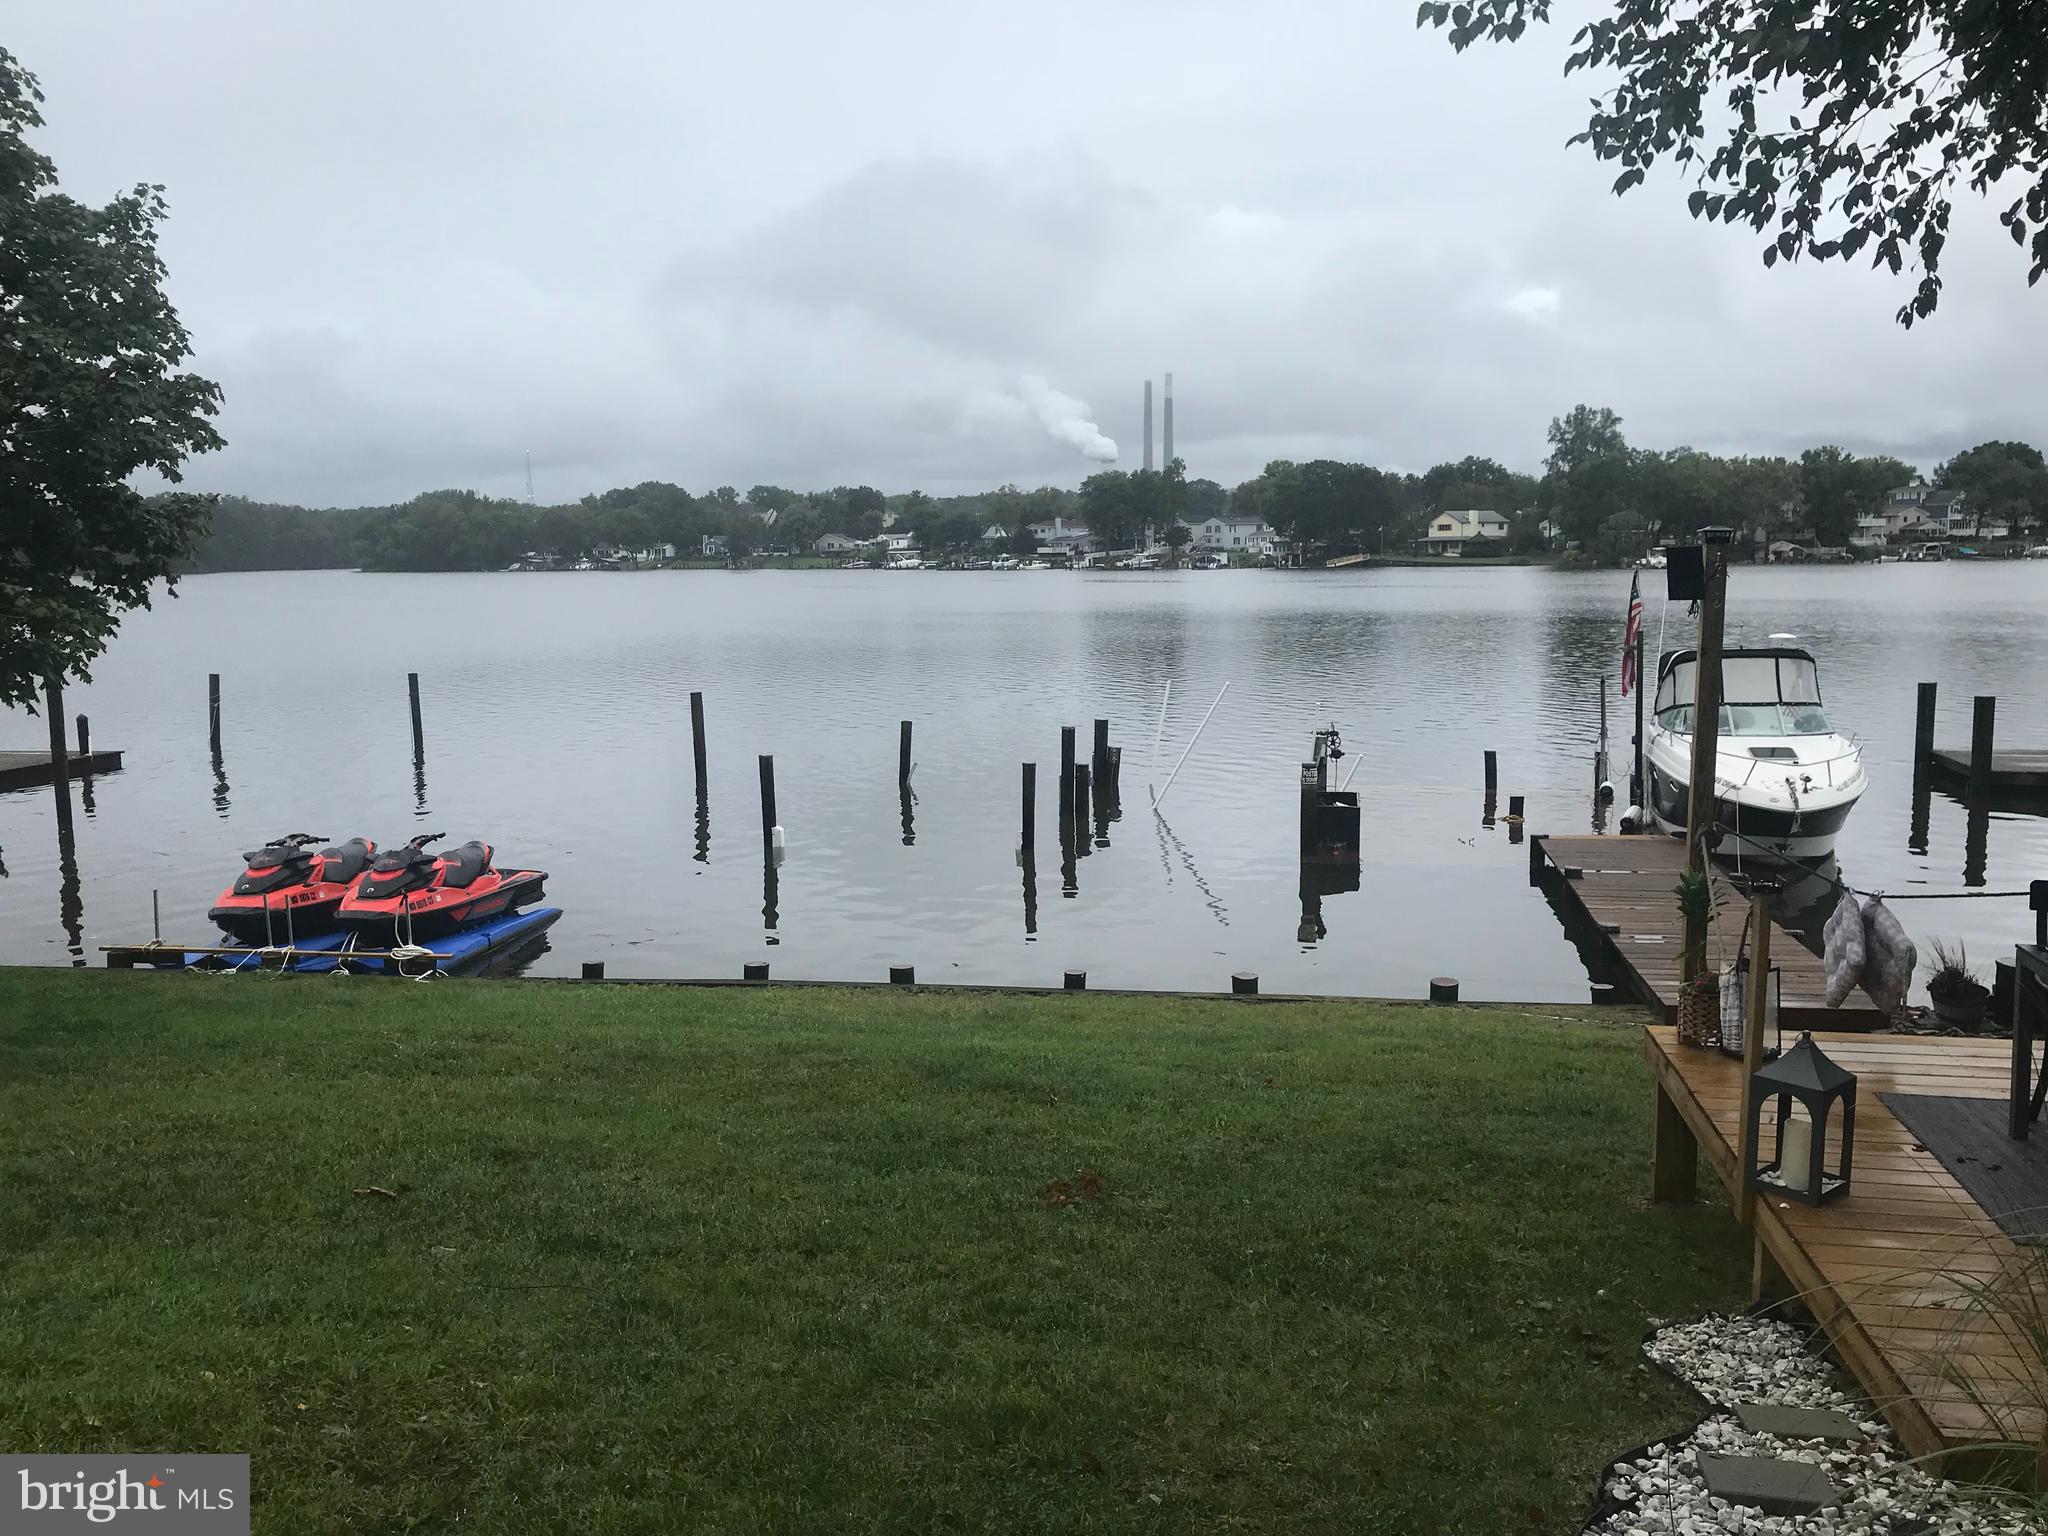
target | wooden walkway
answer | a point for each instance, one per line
(2022, 770)
(20, 770)
(1887, 1269)
(1624, 889)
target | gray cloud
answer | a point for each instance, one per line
(795, 244)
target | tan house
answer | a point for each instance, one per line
(1453, 533)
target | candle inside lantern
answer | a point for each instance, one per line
(1795, 1161)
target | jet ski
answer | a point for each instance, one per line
(411, 896)
(287, 891)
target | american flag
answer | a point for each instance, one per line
(1632, 635)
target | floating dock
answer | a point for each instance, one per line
(23, 770)
(2025, 771)
(1890, 1269)
(463, 953)
(1624, 890)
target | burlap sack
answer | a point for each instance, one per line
(1842, 953)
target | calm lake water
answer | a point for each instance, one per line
(557, 727)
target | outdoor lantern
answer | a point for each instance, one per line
(1735, 984)
(1807, 1088)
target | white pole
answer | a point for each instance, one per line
(1356, 759)
(1160, 735)
(1190, 747)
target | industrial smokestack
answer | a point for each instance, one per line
(1148, 424)
(1167, 424)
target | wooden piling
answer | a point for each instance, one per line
(754, 970)
(1983, 727)
(60, 766)
(1066, 768)
(593, 970)
(697, 742)
(1077, 981)
(1492, 778)
(902, 975)
(903, 753)
(1099, 762)
(1515, 803)
(1443, 989)
(1923, 726)
(84, 737)
(1244, 984)
(213, 711)
(412, 690)
(1028, 829)
(767, 799)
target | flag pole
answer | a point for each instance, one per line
(1641, 798)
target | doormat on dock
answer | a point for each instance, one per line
(2008, 1178)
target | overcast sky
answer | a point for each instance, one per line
(812, 244)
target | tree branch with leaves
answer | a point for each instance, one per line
(1839, 129)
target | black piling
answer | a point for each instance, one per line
(1983, 727)
(419, 737)
(1098, 763)
(902, 975)
(213, 711)
(1443, 989)
(1066, 771)
(1492, 784)
(1514, 818)
(1028, 826)
(60, 765)
(697, 745)
(1244, 984)
(903, 754)
(1077, 981)
(84, 737)
(593, 970)
(754, 970)
(768, 822)
(1923, 725)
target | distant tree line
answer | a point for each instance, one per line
(1596, 493)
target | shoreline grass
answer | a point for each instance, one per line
(796, 1260)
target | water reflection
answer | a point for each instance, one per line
(771, 891)
(908, 802)
(1028, 861)
(1916, 835)
(70, 897)
(1320, 878)
(419, 782)
(220, 783)
(703, 853)
(1976, 837)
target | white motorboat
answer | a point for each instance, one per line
(1785, 779)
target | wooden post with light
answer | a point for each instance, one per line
(1706, 720)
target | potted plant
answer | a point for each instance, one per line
(1959, 998)
(1699, 993)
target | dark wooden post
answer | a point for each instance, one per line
(697, 743)
(1099, 762)
(213, 711)
(1066, 768)
(412, 689)
(903, 753)
(1752, 1042)
(84, 737)
(1983, 726)
(767, 799)
(1674, 1156)
(1028, 827)
(1923, 725)
(60, 764)
(1244, 983)
(1492, 779)
(1706, 717)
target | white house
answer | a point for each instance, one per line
(1452, 533)
(1060, 537)
(654, 554)
(1231, 535)
(714, 547)
(897, 543)
(836, 544)
(995, 533)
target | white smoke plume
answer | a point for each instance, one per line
(1066, 419)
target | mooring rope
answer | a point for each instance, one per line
(1844, 886)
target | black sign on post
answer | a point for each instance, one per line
(1685, 578)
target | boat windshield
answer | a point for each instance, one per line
(1776, 695)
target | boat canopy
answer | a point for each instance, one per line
(1753, 685)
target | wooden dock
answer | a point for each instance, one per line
(1889, 1268)
(2010, 770)
(1624, 890)
(21, 770)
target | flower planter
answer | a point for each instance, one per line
(1963, 1008)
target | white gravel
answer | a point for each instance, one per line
(1735, 1359)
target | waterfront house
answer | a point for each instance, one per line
(995, 533)
(836, 544)
(1231, 535)
(1060, 537)
(1455, 533)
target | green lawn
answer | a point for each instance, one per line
(732, 1261)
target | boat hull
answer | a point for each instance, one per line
(408, 919)
(1752, 830)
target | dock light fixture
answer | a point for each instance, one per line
(1806, 1087)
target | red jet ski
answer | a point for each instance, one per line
(411, 896)
(287, 891)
